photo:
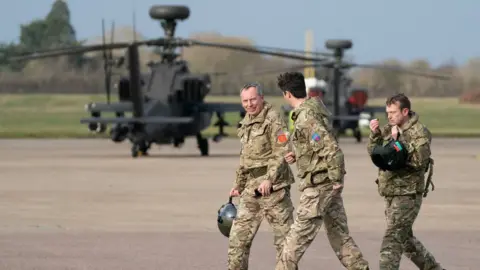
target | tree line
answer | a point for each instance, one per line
(84, 73)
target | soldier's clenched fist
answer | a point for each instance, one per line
(374, 126)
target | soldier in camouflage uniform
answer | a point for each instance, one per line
(321, 168)
(402, 189)
(263, 135)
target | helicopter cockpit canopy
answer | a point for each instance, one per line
(358, 96)
(315, 87)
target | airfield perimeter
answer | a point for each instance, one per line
(86, 204)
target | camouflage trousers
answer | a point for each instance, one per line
(318, 205)
(400, 213)
(277, 208)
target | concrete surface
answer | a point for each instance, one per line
(86, 204)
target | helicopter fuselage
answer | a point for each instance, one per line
(172, 108)
(167, 133)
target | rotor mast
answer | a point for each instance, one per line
(338, 46)
(168, 52)
(168, 16)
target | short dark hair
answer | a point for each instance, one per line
(402, 100)
(293, 82)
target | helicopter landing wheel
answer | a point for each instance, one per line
(135, 150)
(336, 133)
(358, 135)
(202, 145)
(139, 149)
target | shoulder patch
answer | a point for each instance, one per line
(315, 137)
(282, 136)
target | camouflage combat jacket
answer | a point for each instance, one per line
(319, 159)
(264, 140)
(410, 180)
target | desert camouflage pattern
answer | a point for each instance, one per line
(416, 138)
(320, 164)
(316, 148)
(400, 213)
(264, 140)
(277, 209)
(402, 191)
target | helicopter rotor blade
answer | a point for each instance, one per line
(97, 47)
(265, 71)
(72, 50)
(404, 70)
(43, 51)
(266, 48)
(252, 50)
(164, 42)
(178, 42)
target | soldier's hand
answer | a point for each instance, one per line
(234, 192)
(290, 157)
(337, 187)
(265, 187)
(395, 132)
(374, 126)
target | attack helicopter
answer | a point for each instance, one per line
(168, 105)
(346, 102)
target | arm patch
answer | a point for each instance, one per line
(282, 136)
(316, 137)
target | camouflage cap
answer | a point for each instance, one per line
(390, 157)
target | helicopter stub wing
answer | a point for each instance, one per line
(112, 107)
(221, 107)
(138, 120)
